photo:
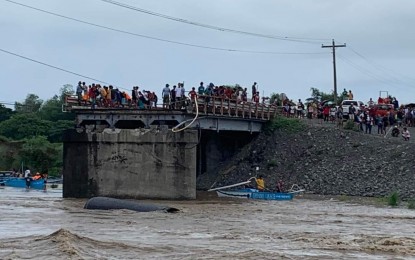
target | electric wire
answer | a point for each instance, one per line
(55, 67)
(381, 68)
(160, 39)
(367, 72)
(222, 29)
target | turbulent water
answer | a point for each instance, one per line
(39, 225)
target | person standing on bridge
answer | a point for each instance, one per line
(201, 89)
(166, 96)
(254, 90)
(193, 95)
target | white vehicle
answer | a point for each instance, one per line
(346, 104)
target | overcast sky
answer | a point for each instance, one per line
(380, 52)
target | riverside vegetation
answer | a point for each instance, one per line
(31, 134)
(323, 160)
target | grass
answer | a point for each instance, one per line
(393, 199)
(411, 204)
(284, 123)
(272, 163)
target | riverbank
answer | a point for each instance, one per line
(323, 160)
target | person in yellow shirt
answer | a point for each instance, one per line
(260, 183)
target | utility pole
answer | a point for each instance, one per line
(333, 46)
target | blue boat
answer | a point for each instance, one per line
(255, 194)
(21, 183)
(249, 193)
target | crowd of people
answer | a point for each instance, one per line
(396, 118)
(172, 98)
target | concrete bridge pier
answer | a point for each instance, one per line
(130, 163)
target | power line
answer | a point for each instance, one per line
(54, 67)
(222, 29)
(368, 72)
(159, 39)
(381, 68)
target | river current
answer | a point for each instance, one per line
(43, 225)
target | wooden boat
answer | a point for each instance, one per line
(21, 183)
(250, 193)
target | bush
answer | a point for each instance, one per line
(349, 125)
(393, 199)
(284, 123)
(272, 163)
(411, 204)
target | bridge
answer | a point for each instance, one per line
(154, 153)
(218, 114)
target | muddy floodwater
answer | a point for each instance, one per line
(39, 225)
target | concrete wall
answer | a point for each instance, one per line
(130, 164)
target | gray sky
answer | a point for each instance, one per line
(380, 52)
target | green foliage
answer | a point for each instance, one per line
(41, 155)
(275, 99)
(350, 125)
(5, 113)
(52, 110)
(272, 163)
(22, 126)
(31, 104)
(411, 204)
(55, 133)
(393, 199)
(284, 123)
(321, 96)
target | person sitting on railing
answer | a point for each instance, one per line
(256, 98)
(244, 95)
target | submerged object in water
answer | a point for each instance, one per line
(105, 203)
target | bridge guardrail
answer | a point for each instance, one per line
(207, 105)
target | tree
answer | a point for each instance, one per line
(5, 113)
(40, 155)
(321, 96)
(52, 110)
(31, 104)
(22, 126)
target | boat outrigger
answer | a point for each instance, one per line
(249, 193)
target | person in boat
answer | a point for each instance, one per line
(260, 183)
(37, 176)
(280, 186)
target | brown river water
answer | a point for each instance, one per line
(43, 225)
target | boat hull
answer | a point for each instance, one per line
(21, 183)
(255, 194)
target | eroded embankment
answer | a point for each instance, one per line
(324, 160)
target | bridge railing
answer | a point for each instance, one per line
(207, 105)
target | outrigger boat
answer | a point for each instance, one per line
(255, 193)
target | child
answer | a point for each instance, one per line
(405, 134)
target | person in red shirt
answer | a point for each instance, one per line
(326, 113)
(193, 95)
